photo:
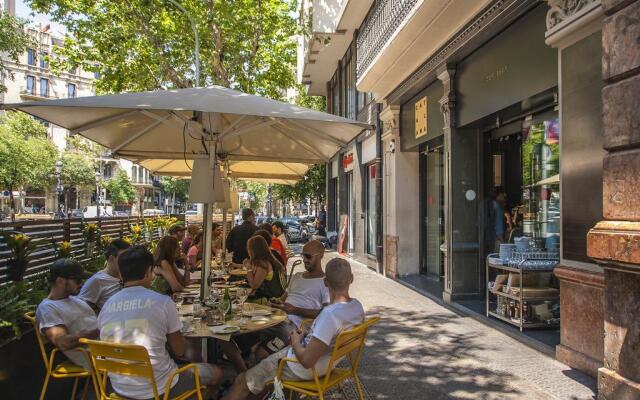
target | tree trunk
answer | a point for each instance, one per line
(173, 202)
(13, 204)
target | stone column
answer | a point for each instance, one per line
(401, 202)
(615, 242)
(448, 110)
(390, 119)
(575, 30)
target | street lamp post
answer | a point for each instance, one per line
(98, 177)
(58, 188)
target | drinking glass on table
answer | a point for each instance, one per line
(178, 298)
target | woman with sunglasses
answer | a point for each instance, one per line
(266, 275)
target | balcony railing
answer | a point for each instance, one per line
(381, 23)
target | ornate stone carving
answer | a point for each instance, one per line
(561, 10)
(448, 100)
(390, 117)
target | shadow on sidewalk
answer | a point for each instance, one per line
(416, 356)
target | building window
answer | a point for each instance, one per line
(140, 175)
(31, 57)
(31, 84)
(44, 87)
(134, 174)
(71, 90)
(146, 176)
(44, 60)
(335, 93)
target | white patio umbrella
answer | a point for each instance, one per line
(286, 173)
(214, 123)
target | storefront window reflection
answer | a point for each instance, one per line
(538, 215)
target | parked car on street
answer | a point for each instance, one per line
(120, 213)
(190, 213)
(77, 213)
(149, 212)
(92, 211)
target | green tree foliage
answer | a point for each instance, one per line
(257, 193)
(27, 157)
(78, 169)
(120, 190)
(177, 189)
(13, 42)
(312, 186)
(148, 44)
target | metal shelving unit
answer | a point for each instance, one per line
(494, 263)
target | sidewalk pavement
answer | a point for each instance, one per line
(422, 350)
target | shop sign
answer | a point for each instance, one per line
(421, 117)
(347, 162)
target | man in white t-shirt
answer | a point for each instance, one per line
(139, 315)
(314, 348)
(305, 297)
(62, 317)
(106, 282)
(278, 232)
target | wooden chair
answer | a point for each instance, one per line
(63, 370)
(131, 360)
(349, 344)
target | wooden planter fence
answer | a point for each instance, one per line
(70, 230)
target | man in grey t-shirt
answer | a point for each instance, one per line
(64, 318)
(106, 282)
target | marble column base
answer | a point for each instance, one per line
(581, 312)
(390, 256)
(612, 386)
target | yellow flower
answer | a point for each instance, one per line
(65, 246)
(128, 240)
(105, 240)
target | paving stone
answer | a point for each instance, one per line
(422, 350)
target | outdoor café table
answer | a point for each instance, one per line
(201, 329)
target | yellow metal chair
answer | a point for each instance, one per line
(349, 344)
(63, 370)
(131, 360)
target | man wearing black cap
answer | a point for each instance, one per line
(240, 234)
(62, 317)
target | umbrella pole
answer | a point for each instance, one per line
(224, 236)
(206, 252)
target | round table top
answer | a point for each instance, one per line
(201, 329)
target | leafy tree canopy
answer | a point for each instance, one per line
(148, 44)
(178, 187)
(120, 189)
(27, 157)
(78, 169)
(13, 42)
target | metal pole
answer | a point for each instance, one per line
(206, 252)
(197, 41)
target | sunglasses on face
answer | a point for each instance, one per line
(308, 256)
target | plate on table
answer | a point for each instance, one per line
(238, 272)
(258, 313)
(260, 319)
(224, 329)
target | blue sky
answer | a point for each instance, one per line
(22, 10)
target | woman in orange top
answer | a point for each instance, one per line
(275, 244)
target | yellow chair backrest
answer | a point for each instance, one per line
(350, 344)
(42, 340)
(118, 358)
